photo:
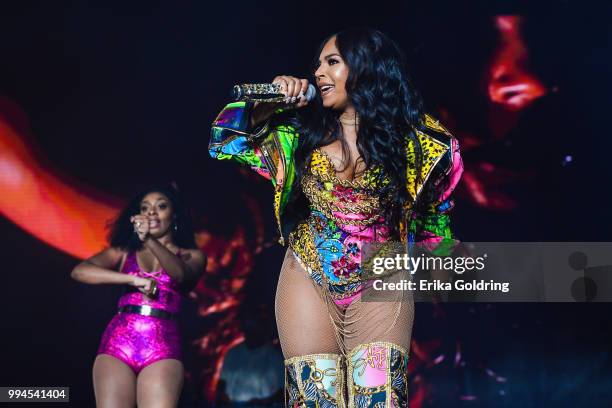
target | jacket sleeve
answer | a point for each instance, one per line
(232, 138)
(432, 227)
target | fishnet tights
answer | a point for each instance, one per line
(308, 324)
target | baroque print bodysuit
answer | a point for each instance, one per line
(344, 215)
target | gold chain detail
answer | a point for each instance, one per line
(328, 205)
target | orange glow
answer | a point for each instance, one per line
(40, 202)
(510, 83)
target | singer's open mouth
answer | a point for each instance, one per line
(325, 89)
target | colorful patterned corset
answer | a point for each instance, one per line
(344, 215)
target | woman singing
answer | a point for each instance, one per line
(359, 164)
(152, 249)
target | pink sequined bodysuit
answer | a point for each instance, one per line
(140, 340)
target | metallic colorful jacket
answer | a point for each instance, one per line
(270, 153)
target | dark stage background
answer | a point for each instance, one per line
(100, 99)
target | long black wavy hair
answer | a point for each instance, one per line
(389, 109)
(121, 230)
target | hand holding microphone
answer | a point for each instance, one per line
(146, 286)
(290, 91)
(284, 92)
(298, 92)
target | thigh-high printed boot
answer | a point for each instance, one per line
(377, 376)
(314, 381)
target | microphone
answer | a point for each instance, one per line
(265, 93)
